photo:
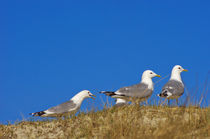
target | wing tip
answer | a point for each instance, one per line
(31, 114)
(102, 92)
(108, 93)
(37, 113)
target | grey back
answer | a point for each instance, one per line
(63, 108)
(174, 87)
(138, 91)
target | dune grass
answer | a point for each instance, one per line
(189, 120)
(119, 122)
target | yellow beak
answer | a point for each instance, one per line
(158, 75)
(185, 70)
(92, 96)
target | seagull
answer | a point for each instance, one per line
(135, 93)
(174, 88)
(66, 108)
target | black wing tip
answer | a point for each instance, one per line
(102, 92)
(164, 94)
(33, 114)
(37, 113)
(108, 93)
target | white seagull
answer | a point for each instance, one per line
(135, 93)
(174, 88)
(66, 108)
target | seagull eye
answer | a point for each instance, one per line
(150, 72)
(179, 67)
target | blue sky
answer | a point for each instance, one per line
(51, 50)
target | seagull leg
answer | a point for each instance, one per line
(59, 117)
(146, 102)
(135, 102)
(65, 117)
(163, 102)
(169, 102)
(177, 103)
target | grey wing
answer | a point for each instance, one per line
(64, 107)
(139, 90)
(174, 87)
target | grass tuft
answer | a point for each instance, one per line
(119, 122)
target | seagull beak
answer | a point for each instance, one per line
(185, 70)
(158, 75)
(92, 96)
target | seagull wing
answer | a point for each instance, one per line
(139, 90)
(63, 108)
(172, 88)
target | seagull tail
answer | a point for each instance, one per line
(108, 93)
(159, 95)
(165, 93)
(38, 113)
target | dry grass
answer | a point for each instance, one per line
(122, 122)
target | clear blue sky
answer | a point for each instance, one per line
(51, 50)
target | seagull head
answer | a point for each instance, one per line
(149, 74)
(88, 94)
(178, 69)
